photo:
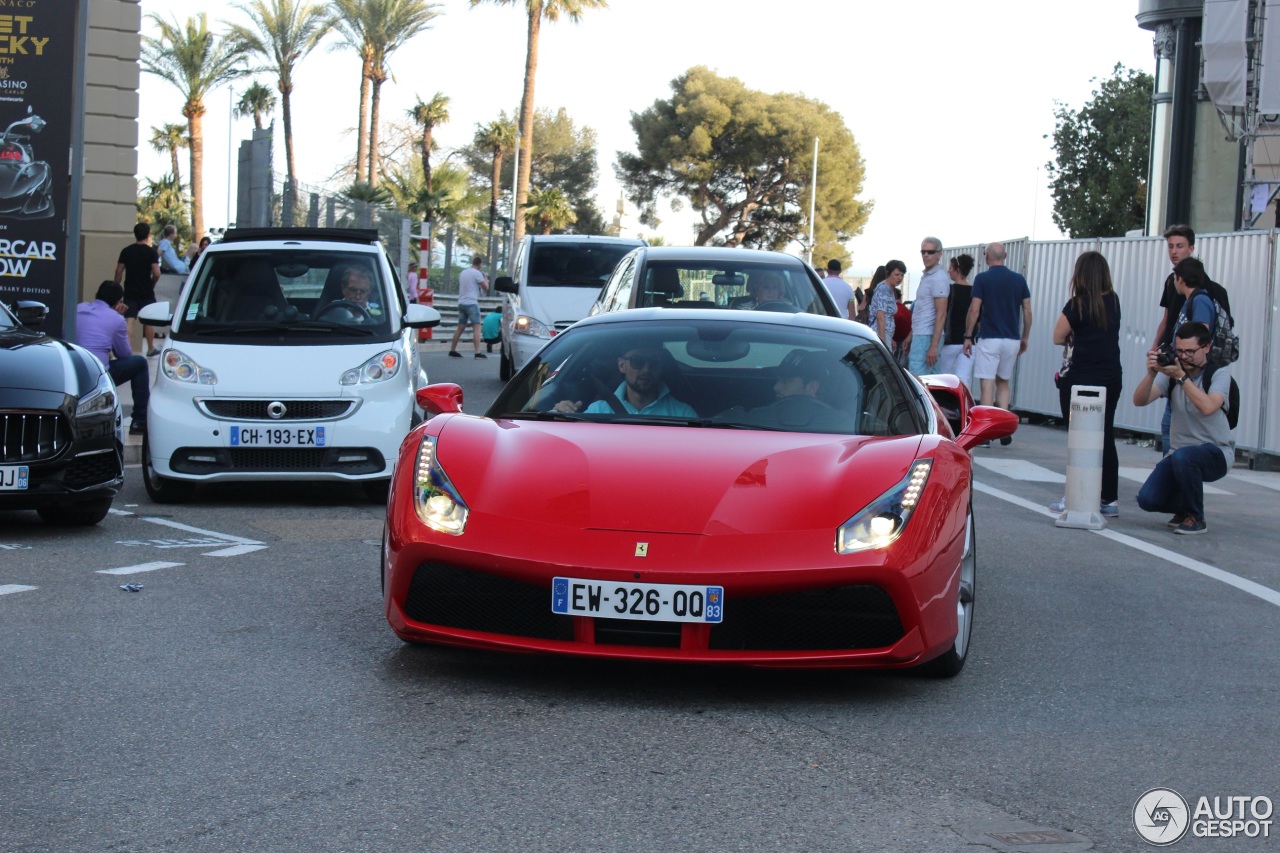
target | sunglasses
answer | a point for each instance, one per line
(930, 251)
(640, 362)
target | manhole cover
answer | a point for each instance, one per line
(1015, 836)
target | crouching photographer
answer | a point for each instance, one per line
(1200, 435)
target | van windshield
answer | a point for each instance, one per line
(563, 264)
(292, 292)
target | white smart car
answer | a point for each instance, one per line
(291, 356)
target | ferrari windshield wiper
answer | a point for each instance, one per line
(545, 416)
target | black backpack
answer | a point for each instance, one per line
(1233, 396)
(1224, 349)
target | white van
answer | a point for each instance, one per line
(291, 356)
(554, 282)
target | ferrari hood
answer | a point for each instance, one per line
(667, 479)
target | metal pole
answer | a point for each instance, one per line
(515, 180)
(813, 197)
(231, 111)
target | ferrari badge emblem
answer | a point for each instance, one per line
(642, 549)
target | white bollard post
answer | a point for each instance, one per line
(1085, 435)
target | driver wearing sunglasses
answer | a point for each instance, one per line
(642, 391)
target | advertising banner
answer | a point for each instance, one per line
(37, 91)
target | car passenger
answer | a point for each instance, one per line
(642, 391)
(765, 287)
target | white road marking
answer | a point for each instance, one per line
(240, 540)
(1139, 475)
(138, 569)
(1267, 594)
(10, 588)
(236, 551)
(1018, 469)
(115, 511)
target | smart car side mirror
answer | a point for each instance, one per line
(440, 399)
(156, 314)
(504, 284)
(421, 316)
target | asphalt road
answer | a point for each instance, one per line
(251, 696)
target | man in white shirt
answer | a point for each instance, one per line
(471, 283)
(841, 291)
(929, 311)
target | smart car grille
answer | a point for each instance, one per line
(453, 597)
(846, 617)
(92, 469)
(340, 460)
(32, 436)
(295, 410)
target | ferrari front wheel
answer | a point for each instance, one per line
(950, 662)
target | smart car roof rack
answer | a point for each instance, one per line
(366, 236)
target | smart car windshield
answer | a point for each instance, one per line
(301, 293)
(715, 374)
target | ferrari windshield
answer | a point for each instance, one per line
(716, 374)
(240, 295)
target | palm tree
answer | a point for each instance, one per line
(256, 101)
(195, 61)
(537, 10)
(170, 138)
(284, 32)
(497, 136)
(375, 29)
(551, 209)
(428, 116)
(362, 198)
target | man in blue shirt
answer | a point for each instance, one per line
(642, 391)
(998, 294)
(169, 260)
(101, 329)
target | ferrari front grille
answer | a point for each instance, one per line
(454, 597)
(835, 618)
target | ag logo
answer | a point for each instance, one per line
(1161, 816)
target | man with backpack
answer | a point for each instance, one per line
(1200, 433)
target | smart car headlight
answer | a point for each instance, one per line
(100, 401)
(526, 325)
(884, 519)
(180, 368)
(380, 368)
(438, 503)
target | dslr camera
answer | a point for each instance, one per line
(1165, 356)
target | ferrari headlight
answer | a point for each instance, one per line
(886, 517)
(100, 401)
(178, 367)
(526, 325)
(438, 503)
(380, 368)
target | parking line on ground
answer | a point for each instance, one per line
(10, 588)
(1267, 594)
(239, 540)
(139, 568)
(235, 551)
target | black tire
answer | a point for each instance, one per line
(950, 662)
(162, 490)
(75, 515)
(504, 364)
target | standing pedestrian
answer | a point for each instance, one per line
(411, 283)
(138, 269)
(841, 291)
(929, 309)
(901, 330)
(1180, 242)
(1090, 321)
(998, 292)
(884, 306)
(951, 358)
(1202, 447)
(471, 283)
(102, 330)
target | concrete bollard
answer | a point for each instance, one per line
(1085, 436)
